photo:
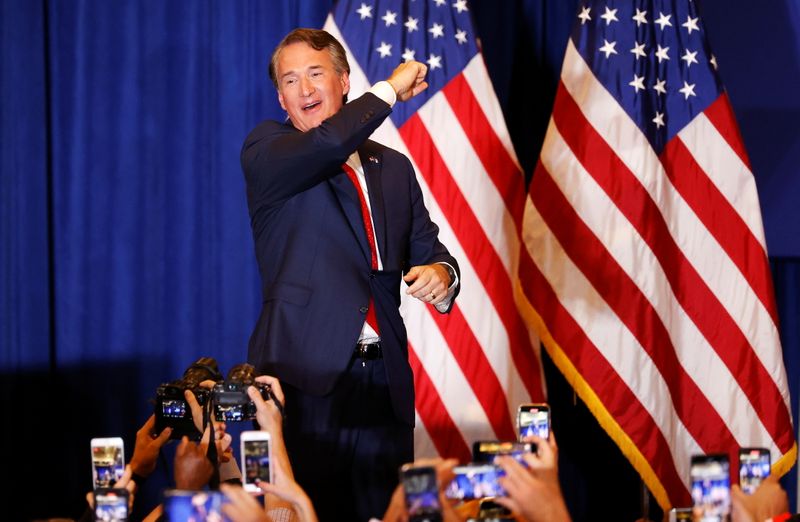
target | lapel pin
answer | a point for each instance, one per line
(373, 159)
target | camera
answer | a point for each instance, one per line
(230, 399)
(171, 408)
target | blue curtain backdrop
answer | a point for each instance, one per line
(125, 248)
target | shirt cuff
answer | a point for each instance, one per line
(443, 305)
(385, 92)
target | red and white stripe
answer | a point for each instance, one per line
(651, 278)
(474, 366)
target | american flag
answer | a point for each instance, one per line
(473, 367)
(644, 255)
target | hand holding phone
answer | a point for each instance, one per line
(108, 461)
(533, 419)
(487, 450)
(475, 481)
(111, 504)
(711, 487)
(256, 455)
(421, 489)
(754, 467)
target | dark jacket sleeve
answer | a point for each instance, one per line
(280, 161)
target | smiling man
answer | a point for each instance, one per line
(338, 221)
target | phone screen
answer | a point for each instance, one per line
(108, 461)
(754, 466)
(680, 514)
(711, 486)
(199, 506)
(475, 481)
(111, 505)
(487, 450)
(534, 419)
(422, 493)
(255, 454)
(173, 408)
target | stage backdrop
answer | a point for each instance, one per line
(125, 249)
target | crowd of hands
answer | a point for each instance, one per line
(533, 490)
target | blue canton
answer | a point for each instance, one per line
(383, 33)
(653, 57)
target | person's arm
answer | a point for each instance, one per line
(534, 492)
(124, 482)
(429, 278)
(397, 511)
(285, 488)
(269, 419)
(280, 161)
(148, 445)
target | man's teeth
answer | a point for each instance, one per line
(310, 106)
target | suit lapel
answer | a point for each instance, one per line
(350, 204)
(372, 163)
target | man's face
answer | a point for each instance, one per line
(309, 89)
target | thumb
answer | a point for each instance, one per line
(412, 274)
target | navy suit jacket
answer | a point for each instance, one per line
(313, 254)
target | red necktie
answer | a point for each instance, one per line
(372, 319)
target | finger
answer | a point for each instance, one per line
(274, 384)
(533, 461)
(261, 405)
(206, 437)
(430, 292)
(412, 274)
(149, 425)
(194, 406)
(417, 289)
(508, 503)
(125, 478)
(238, 495)
(219, 426)
(513, 469)
(183, 446)
(163, 437)
(440, 296)
(224, 443)
(90, 499)
(419, 88)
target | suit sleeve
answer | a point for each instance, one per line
(425, 247)
(279, 161)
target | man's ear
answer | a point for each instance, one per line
(345, 79)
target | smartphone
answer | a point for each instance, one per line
(754, 466)
(256, 457)
(422, 493)
(533, 419)
(680, 514)
(711, 486)
(111, 504)
(199, 506)
(475, 481)
(487, 450)
(108, 461)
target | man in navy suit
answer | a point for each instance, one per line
(338, 220)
